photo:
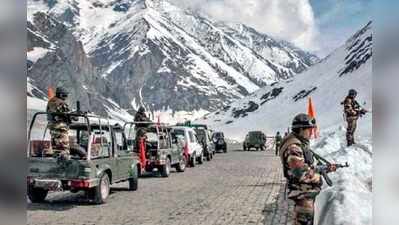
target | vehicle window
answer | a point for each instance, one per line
(119, 141)
(191, 136)
(101, 144)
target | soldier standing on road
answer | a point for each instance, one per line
(352, 112)
(278, 140)
(59, 124)
(303, 181)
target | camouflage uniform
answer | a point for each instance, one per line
(303, 182)
(278, 140)
(140, 128)
(58, 125)
(351, 110)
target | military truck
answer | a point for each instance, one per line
(254, 139)
(99, 157)
(162, 152)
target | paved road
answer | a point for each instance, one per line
(234, 188)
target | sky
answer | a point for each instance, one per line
(318, 26)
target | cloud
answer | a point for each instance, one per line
(291, 20)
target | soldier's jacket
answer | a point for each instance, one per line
(297, 160)
(351, 107)
(278, 139)
(57, 105)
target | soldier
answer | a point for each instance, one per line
(303, 179)
(140, 128)
(59, 124)
(278, 140)
(352, 112)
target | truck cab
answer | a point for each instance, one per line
(99, 157)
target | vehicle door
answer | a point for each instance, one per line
(124, 154)
(101, 152)
(194, 143)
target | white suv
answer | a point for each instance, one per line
(193, 148)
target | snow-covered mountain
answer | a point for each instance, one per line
(272, 108)
(154, 53)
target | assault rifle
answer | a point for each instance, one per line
(323, 167)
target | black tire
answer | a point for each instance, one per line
(165, 169)
(181, 166)
(133, 183)
(201, 158)
(244, 148)
(37, 195)
(262, 148)
(192, 160)
(225, 149)
(100, 193)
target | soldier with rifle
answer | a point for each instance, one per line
(352, 112)
(303, 169)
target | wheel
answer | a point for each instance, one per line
(100, 193)
(133, 183)
(225, 149)
(201, 158)
(181, 166)
(37, 195)
(165, 169)
(192, 161)
(244, 148)
(262, 148)
(257, 149)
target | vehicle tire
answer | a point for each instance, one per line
(100, 193)
(225, 149)
(257, 149)
(165, 169)
(133, 183)
(262, 148)
(37, 195)
(201, 158)
(181, 166)
(244, 148)
(192, 160)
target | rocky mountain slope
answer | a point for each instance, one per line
(154, 53)
(272, 108)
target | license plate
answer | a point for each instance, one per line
(51, 185)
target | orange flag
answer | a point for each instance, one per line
(50, 92)
(312, 113)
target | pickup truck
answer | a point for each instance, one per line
(99, 157)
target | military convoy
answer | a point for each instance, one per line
(103, 152)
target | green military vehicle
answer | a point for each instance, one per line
(99, 157)
(255, 139)
(162, 151)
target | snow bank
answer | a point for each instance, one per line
(349, 200)
(36, 54)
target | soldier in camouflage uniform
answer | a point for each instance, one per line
(141, 128)
(352, 111)
(59, 124)
(278, 140)
(299, 166)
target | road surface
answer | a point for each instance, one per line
(234, 188)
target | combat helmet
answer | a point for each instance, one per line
(61, 92)
(303, 120)
(352, 93)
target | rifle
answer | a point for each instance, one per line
(323, 167)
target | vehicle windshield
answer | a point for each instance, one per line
(256, 134)
(201, 134)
